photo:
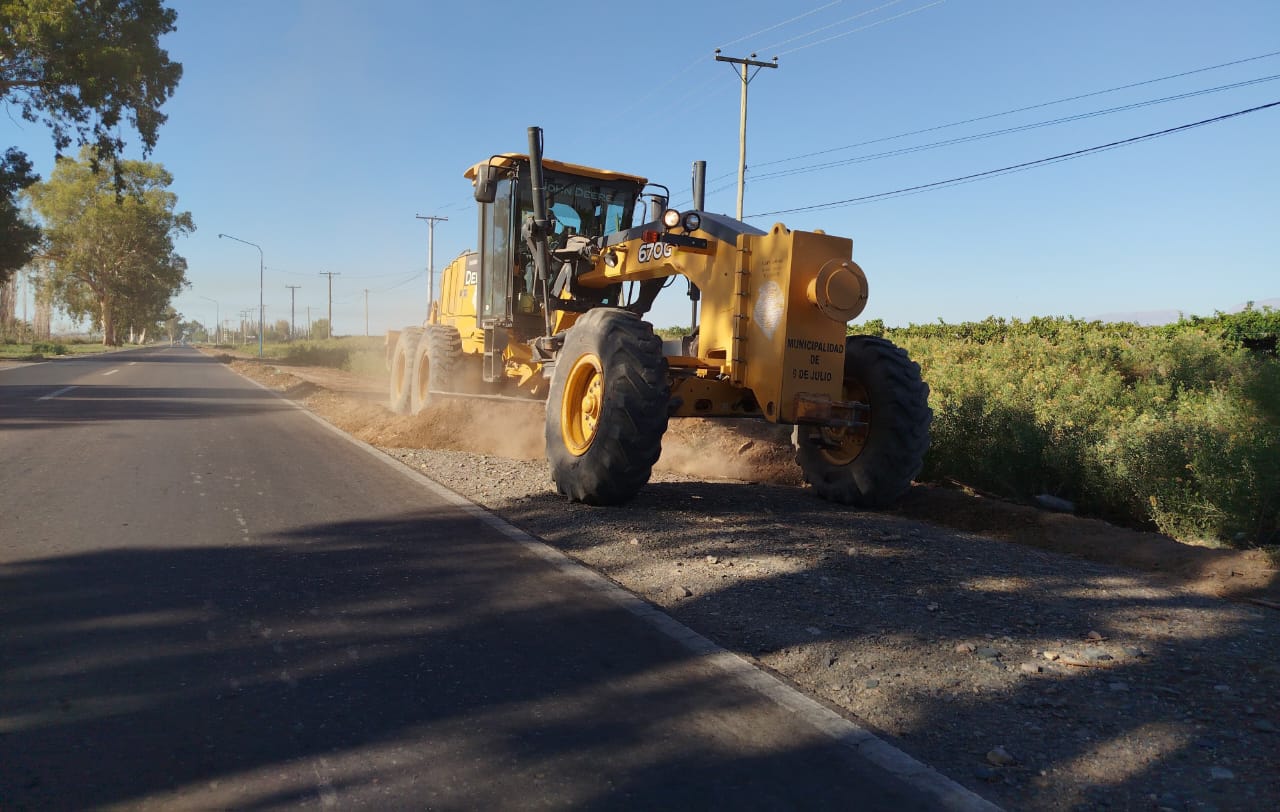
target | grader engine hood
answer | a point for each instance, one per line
(796, 291)
(774, 305)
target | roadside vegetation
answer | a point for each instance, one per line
(360, 354)
(1174, 427)
(13, 350)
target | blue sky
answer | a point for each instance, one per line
(319, 129)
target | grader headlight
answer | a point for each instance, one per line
(671, 218)
(839, 290)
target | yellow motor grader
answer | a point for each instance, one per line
(552, 305)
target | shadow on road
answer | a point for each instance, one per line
(22, 407)
(407, 661)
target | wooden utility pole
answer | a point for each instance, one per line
(331, 275)
(745, 78)
(431, 254)
(292, 297)
(366, 312)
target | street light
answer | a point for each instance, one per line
(261, 310)
(217, 323)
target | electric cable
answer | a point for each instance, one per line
(986, 117)
(797, 18)
(864, 27)
(1066, 156)
(859, 15)
(1018, 110)
(1008, 130)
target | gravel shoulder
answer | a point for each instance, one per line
(1039, 679)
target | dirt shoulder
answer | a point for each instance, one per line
(1113, 676)
(753, 452)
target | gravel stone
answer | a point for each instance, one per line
(1000, 757)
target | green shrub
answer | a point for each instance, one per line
(48, 348)
(353, 353)
(1174, 428)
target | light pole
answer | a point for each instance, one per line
(217, 322)
(261, 309)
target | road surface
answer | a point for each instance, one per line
(210, 600)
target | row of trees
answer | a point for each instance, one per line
(100, 232)
(244, 331)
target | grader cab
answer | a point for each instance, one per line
(552, 305)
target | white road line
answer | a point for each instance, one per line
(53, 395)
(111, 371)
(131, 363)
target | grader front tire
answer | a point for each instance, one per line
(607, 408)
(871, 467)
(402, 366)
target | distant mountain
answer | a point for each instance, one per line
(1156, 317)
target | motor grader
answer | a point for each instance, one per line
(551, 306)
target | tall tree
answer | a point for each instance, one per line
(18, 238)
(81, 66)
(110, 255)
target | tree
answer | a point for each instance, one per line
(110, 252)
(193, 330)
(18, 238)
(81, 66)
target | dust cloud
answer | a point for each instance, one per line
(744, 450)
(747, 450)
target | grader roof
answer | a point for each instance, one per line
(511, 158)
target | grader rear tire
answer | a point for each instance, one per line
(607, 408)
(438, 365)
(872, 467)
(402, 364)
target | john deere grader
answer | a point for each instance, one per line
(552, 305)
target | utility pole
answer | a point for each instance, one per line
(745, 78)
(431, 254)
(366, 312)
(308, 322)
(331, 275)
(292, 294)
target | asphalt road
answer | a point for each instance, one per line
(209, 600)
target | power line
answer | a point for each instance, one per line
(362, 276)
(403, 282)
(1066, 156)
(643, 99)
(829, 26)
(989, 116)
(864, 27)
(799, 170)
(1018, 110)
(796, 18)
